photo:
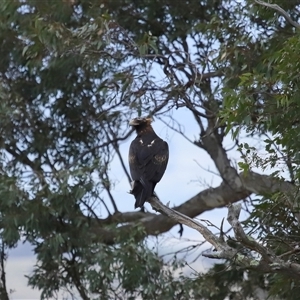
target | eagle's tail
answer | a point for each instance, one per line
(142, 191)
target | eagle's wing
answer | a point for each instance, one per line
(134, 165)
(157, 160)
(148, 158)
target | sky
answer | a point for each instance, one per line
(183, 179)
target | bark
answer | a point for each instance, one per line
(205, 200)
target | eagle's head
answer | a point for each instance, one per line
(140, 124)
(140, 121)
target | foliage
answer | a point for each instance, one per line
(71, 75)
(124, 271)
(265, 103)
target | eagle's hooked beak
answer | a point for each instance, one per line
(134, 122)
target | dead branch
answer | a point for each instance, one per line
(185, 220)
(268, 259)
(280, 10)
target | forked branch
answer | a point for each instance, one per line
(257, 256)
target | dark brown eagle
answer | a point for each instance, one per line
(148, 159)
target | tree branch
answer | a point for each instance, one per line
(281, 11)
(207, 199)
(274, 263)
(183, 219)
(223, 249)
(268, 261)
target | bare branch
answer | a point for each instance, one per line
(205, 200)
(274, 263)
(281, 11)
(250, 243)
(223, 249)
(183, 219)
(117, 149)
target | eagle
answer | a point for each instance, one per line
(148, 159)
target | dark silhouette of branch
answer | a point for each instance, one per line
(3, 257)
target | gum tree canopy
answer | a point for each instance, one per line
(72, 74)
